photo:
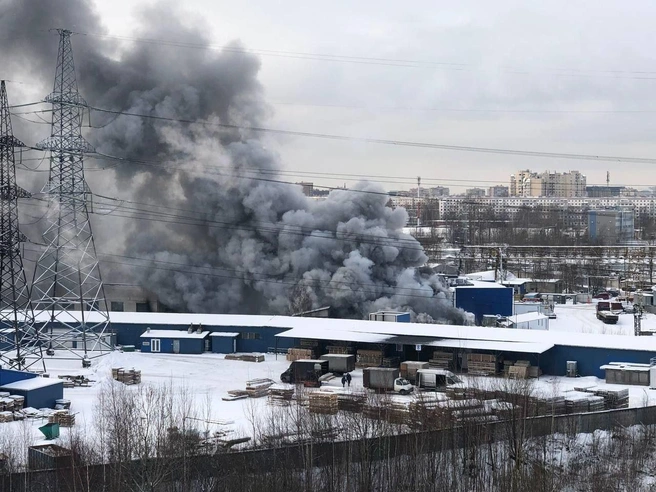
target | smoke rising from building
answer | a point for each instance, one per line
(253, 244)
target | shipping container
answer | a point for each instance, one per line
(381, 378)
(340, 363)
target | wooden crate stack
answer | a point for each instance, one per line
(369, 358)
(245, 357)
(19, 402)
(391, 362)
(281, 395)
(613, 398)
(324, 402)
(482, 364)
(257, 388)
(6, 404)
(6, 416)
(339, 349)
(352, 402)
(129, 377)
(299, 353)
(62, 417)
(441, 360)
(577, 402)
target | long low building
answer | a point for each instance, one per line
(410, 341)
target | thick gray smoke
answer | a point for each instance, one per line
(261, 245)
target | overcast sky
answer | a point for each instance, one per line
(557, 76)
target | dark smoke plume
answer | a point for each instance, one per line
(263, 242)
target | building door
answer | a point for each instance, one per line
(155, 345)
(176, 346)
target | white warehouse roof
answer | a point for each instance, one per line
(173, 334)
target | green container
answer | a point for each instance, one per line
(51, 431)
(128, 348)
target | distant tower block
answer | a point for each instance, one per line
(19, 342)
(68, 290)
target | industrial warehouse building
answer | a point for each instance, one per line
(39, 392)
(409, 341)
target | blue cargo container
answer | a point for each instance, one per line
(484, 300)
(10, 376)
(38, 392)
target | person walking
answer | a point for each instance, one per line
(348, 379)
(343, 381)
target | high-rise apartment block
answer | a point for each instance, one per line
(526, 183)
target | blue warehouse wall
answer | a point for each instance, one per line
(251, 339)
(8, 376)
(590, 359)
(223, 345)
(481, 301)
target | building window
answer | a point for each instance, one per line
(250, 336)
(143, 307)
(117, 306)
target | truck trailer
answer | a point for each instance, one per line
(340, 363)
(385, 379)
(305, 370)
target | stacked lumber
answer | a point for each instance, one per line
(553, 405)
(613, 398)
(245, 357)
(281, 395)
(352, 402)
(517, 372)
(308, 343)
(129, 377)
(441, 360)
(457, 393)
(597, 403)
(71, 381)
(62, 417)
(577, 402)
(398, 413)
(338, 349)
(369, 358)
(324, 402)
(257, 388)
(507, 364)
(522, 369)
(62, 404)
(391, 362)
(299, 353)
(482, 364)
(6, 416)
(235, 395)
(6, 404)
(409, 370)
(19, 402)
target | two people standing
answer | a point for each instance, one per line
(346, 379)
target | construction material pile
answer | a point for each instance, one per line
(339, 349)
(11, 403)
(613, 398)
(441, 360)
(246, 357)
(124, 376)
(324, 402)
(299, 354)
(71, 381)
(352, 402)
(408, 370)
(522, 369)
(281, 394)
(257, 388)
(62, 417)
(369, 358)
(482, 364)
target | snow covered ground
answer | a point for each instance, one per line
(581, 318)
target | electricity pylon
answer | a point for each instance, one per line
(20, 347)
(67, 289)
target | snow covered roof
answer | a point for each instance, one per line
(31, 384)
(347, 336)
(173, 334)
(526, 317)
(479, 284)
(488, 276)
(518, 347)
(224, 334)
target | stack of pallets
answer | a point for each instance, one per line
(19, 402)
(6, 416)
(299, 353)
(281, 395)
(324, 402)
(245, 357)
(352, 402)
(62, 417)
(338, 349)
(6, 404)
(129, 376)
(369, 358)
(482, 364)
(391, 362)
(577, 402)
(614, 398)
(553, 405)
(441, 360)
(257, 388)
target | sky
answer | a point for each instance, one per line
(572, 77)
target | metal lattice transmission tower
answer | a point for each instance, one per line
(67, 289)
(20, 346)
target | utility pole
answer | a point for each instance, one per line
(67, 287)
(19, 340)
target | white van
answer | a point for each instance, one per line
(437, 379)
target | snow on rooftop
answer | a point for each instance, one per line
(525, 317)
(224, 334)
(32, 383)
(173, 334)
(488, 276)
